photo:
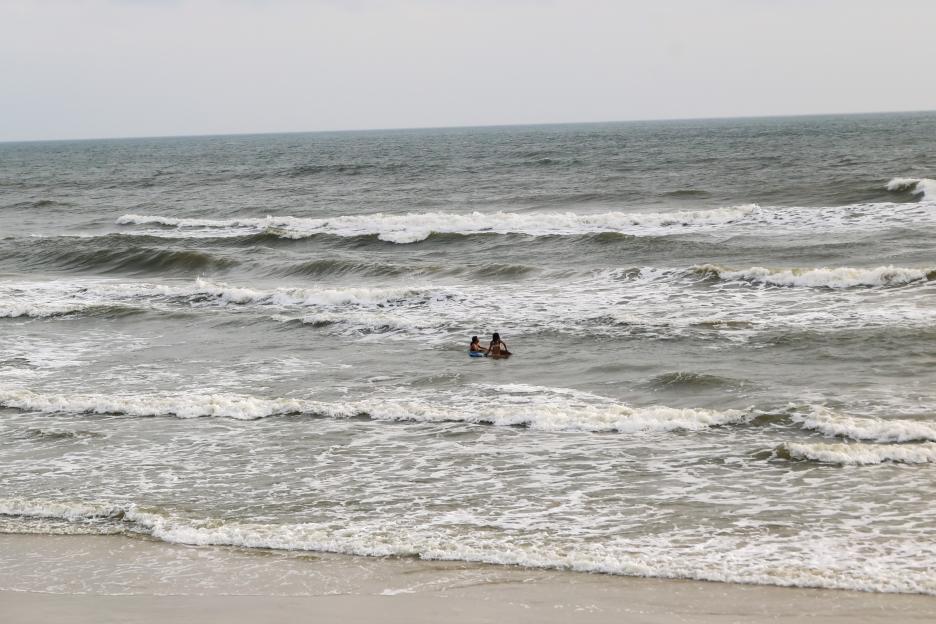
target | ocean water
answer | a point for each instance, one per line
(724, 337)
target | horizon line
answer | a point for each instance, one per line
(465, 127)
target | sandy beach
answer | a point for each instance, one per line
(78, 579)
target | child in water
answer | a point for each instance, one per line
(475, 346)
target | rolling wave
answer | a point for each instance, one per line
(415, 227)
(723, 558)
(832, 424)
(690, 380)
(840, 277)
(555, 410)
(56, 310)
(94, 297)
(533, 407)
(107, 255)
(924, 187)
(625, 302)
(859, 454)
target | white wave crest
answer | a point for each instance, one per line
(555, 412)
(183, 406)
(414, 227)
(223, 293)
(920, 186)
(30, 310)
(51, 299)
(73, 511)
(829, 423)
(862, 454)
(841, 277)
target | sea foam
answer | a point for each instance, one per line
(860, 454)
(919, 186)
(819, 562)
(552, 412)
(837, 277)
(414, 227)
(828, 422)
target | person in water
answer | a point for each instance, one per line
(475, 346)
(497, 348)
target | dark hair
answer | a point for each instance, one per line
(496, 337)
(474, 339)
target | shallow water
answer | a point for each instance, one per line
(724, 337)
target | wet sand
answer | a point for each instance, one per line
(92, 579)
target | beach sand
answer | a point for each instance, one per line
(93, 579)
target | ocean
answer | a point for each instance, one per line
(724, 338)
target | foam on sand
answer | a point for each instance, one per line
(821, 562)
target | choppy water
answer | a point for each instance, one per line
(725, 338)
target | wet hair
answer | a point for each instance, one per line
(495, 337)
(474, 339)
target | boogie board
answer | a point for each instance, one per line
(475, 354)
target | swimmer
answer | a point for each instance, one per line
(498, 348)
(475, 346)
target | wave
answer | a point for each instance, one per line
(624, 302)
(841, 277)
(337, 267)
(58, 310)
(608, 227)
(829, 423)
(414, 227)
(106, 298)
(859, 454)
(108, 256)
(38, 203)
(691, 380)
(350, 169)
(724, 558)
(57, 434)
(302, 297)
(924, 187)
(554, 410)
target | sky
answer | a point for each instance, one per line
(117, 68)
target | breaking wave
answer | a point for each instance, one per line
(859, 454)
(724, 558)
(589, 304)
(829, 423)
(556, 411)
(841, 277)
(414, 227)
(924, 187)
(107, 298)
(58, 310)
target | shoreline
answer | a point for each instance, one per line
(103, 578)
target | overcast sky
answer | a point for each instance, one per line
(107, 68)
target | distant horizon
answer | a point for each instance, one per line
(120, 69)
(464, 126)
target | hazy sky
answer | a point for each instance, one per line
(102, 68)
